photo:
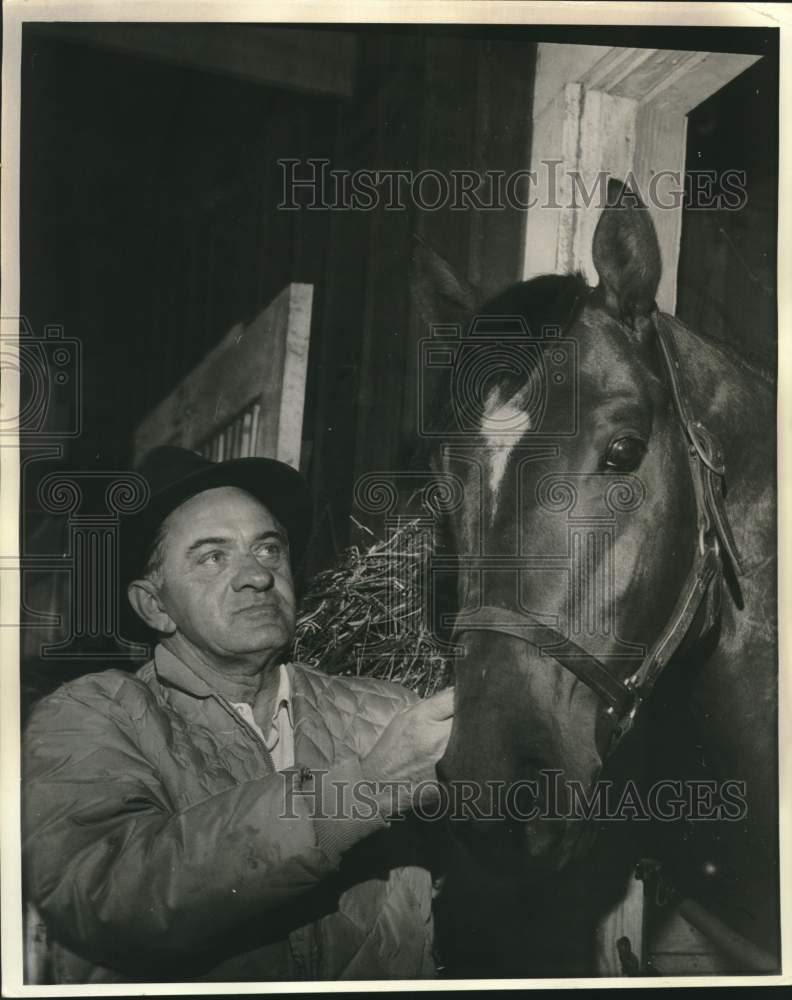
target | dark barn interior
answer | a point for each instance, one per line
(150, 223)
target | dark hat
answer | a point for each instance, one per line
(176, 474)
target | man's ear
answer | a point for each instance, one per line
(145, 599)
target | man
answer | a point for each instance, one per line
(221, 814)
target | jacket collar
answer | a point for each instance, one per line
(177, 673)
(313, 740)
(186, 675)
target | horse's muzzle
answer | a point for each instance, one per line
(503, 826)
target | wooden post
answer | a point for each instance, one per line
(624, 920)
(615, 110)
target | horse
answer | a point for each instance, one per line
(615, 608)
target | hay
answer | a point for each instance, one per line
(365, 616)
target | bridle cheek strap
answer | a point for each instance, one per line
(699, 598)
(705, 457)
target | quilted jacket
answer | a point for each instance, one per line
(160, 844)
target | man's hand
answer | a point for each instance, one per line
(406, 754)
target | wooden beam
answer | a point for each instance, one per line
(747, 956)
(319, 62)
(614, 110)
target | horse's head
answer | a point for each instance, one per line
(577, 535)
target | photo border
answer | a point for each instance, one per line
(16, 13)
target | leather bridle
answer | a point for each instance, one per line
(698, 603)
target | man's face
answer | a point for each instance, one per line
(225, 578)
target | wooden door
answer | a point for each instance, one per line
(246, 397)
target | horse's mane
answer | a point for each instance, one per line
(736, 357)
(550, 300)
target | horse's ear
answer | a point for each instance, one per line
(441, 293)
(627, 257)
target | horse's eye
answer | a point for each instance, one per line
(625, 454)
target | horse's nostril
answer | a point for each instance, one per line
(543, 836)
(524, 802)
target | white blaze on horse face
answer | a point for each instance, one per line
(504, 423)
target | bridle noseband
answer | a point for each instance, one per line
(699, 597)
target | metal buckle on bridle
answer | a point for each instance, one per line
(702, 541)
(706, 446)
